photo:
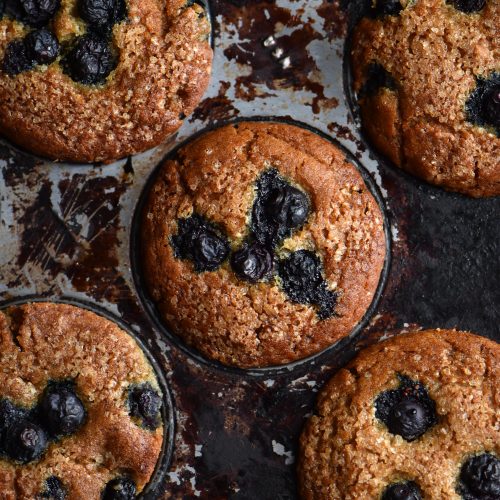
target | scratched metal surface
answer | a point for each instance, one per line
(65, 232)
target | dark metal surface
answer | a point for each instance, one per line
(65, 231)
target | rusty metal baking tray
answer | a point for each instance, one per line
(65, 233)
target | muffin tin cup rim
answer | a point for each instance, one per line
(150, 308)
(168, 409)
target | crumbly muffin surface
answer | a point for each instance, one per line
(43, 344)
(350, 450)
(273, 314)
(427, 78)
(161, 59)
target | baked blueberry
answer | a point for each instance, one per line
(122, 488)
(480, 478)
(9, 413)
(377, 77)
(42, 46)
(102, 14)
(37, 13)
(145, 404)
(408, 490)
(90, 61)
(407, 411)
(54, 489)
(25, 441)
(278, 209)
(387, 7)
(16, 59)
(468, 6)
(253, 262)
(302, 279)
(201, 242)
(483, 105)
(61, 410)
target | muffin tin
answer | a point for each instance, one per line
(66, 231)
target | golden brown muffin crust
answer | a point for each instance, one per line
(252, 325)
(163, 71)
(347, 453)
(434, 53)
(44, 342)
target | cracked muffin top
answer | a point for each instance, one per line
(427, 78)
(414, 417)
(96, 80)
(80, 406)
(261, 244)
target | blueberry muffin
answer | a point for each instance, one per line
(97, 80)
(261, 244)
(79, 406)
(415, 417)
(427, 78)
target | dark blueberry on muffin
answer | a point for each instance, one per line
(25, 441)
(61, 409)
(253, 262)
(483, 105)
(145, 404)
(102, 14)
(278, 209)
(377, 77)
(201, 242)
(468, 6)
(42, 46)
(37, 13)
(480, 478)
(16, 59)
(122, 488)
(402, 491)
(9, 413)
(407, 411)
(54, 489)
(387, 7)
(302, 279)
(90, 61)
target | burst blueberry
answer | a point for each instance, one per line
(279, 208)
(302, 279)
(90, 61)
(201, 242)
(16, 59)
(468, 6)
(26, 441)
(407, 411)
(42, 46)
(122, 488)
(480, 478)
(102, 14)
(61, 410)
(145, 404)
(407, 490)
(253, 262)
(38, 13)
(54, 489)
(483, 105)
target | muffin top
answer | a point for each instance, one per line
(79, 406)
(261, 244)
(414, 417)
(97, 80)
(427, 77)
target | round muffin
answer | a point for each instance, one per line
(427, 78)
(261, 244)
(414, 417)
(97, 80)
(79, 406)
